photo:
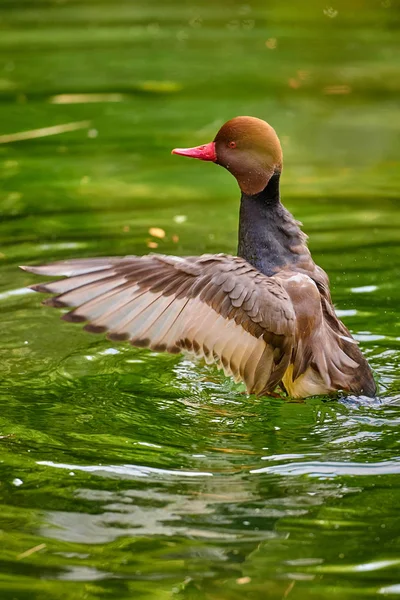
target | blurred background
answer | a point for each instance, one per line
(127, 474)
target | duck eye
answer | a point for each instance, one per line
(232, 144)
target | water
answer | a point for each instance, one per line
(126, 474)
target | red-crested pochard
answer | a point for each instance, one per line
(265, 316)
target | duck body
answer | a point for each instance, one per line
(265, 316)
(325, 358)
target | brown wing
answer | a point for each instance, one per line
(216, 306)
(325, 357)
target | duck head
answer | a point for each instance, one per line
(247, 147)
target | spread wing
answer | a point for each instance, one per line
(217, 307)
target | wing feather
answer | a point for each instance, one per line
(217, 307)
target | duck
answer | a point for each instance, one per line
(265, 316)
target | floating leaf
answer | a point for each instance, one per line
(243, 580)
(157, 232)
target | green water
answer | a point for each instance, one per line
(126, 474)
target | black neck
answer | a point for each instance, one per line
(268, 233)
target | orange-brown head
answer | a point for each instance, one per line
(248, 147)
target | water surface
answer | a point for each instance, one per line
(127, 474)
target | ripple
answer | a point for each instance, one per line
(356, 438)
(350, 312)
(366, 336)
(127, 471)
(77, 573)
(390, 589)
(277, 457)
(63, 246)
(17, 292)
(332, 469)
(375, 565)
(364, 289)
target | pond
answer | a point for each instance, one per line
(130, 474)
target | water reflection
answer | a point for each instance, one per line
(130, 474)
